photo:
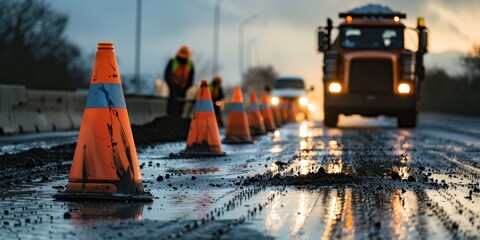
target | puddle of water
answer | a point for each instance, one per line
(276, 149)
(84, 213)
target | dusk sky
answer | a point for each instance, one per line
(284, 34)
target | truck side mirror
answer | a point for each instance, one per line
(321, 41)
(423, 40)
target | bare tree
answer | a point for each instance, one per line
(471, 63)
(257, 78)
(34, 50)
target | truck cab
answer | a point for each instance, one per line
(368, 70)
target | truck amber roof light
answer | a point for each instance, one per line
(420, 22)
(396, 19)
(348, 19)
(389, 15)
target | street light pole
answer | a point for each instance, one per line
(241, 42)
(137, 45)
(216, 36)
(251, 52)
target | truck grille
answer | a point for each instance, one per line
(371, 76)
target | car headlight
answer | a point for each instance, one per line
(404, 88)
(275, 101)
(303, 101)
(334, 87)
(310, 107)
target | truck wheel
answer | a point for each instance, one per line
(330, 118)
(408, 119)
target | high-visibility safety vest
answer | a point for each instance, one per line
(181, 72)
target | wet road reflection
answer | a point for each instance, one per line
(82, 213)
(276, 136)
(348, 218)
(404, 206)
(363, 198)
(302, 213)
(276, 148)
(304, 130)
(332, 215)
(346, 213)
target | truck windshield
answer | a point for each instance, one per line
(371, 37)
(289, 83)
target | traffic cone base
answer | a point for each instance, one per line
(105, 165)
(198, 150)
(203, 136)
(236, 140)
(101, 195)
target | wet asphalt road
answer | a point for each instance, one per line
(365, 179)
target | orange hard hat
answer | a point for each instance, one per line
(217, 78)
(183, 52)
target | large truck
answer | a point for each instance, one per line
(368, 69)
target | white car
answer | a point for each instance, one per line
(290, 89)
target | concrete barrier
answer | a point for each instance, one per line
(10, 95)
(27, 111)
(142, 109)
(28, 114)
(54, 108)
(75, 107)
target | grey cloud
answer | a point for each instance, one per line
(166, 24)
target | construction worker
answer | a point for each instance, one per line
(179, 75)
(217, 98)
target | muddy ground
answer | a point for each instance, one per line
(366, 179)
(35, 163)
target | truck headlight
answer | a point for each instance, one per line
(275, 101)
(404, 88)
(303, 101)
(334, 87)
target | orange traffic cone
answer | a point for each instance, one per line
(203, 137)
(238, 130)
(277, 116)
(267, 114)
(292, 112)
(255, 119)
(284, 111)
(105, 164)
